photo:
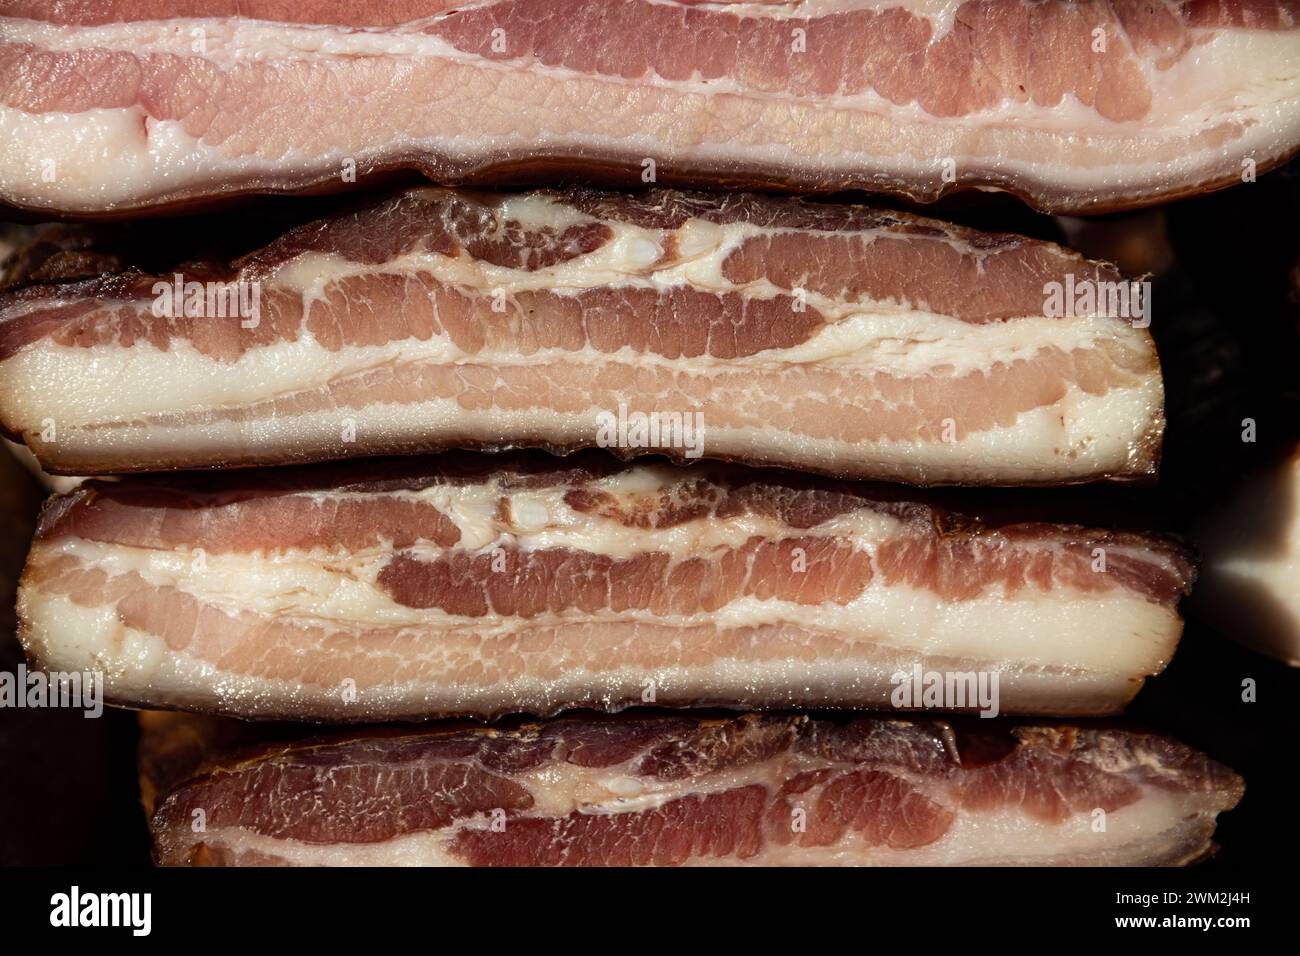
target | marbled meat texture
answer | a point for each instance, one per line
(828, 338)
(107, 106)
(411, 589)
(673, 791)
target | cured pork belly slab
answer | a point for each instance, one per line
(670, 791)
(497, 584)
(830, 338)
(1252, 563)
(106, 107)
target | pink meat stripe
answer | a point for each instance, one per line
(107, 107)
(488, 585)
(829, 338)
(672, 791)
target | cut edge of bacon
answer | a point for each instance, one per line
(179, 753)
(1166, 576)
(1149, 44)
(49, 276)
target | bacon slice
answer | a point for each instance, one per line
(671, 791)
(498, 584)
(1252, 563)
(832, 338)
(111, 106)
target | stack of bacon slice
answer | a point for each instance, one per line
(835, 340)
(832, 338)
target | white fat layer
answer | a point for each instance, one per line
(1200, 127)
(1080, 435)
(1160, 827)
